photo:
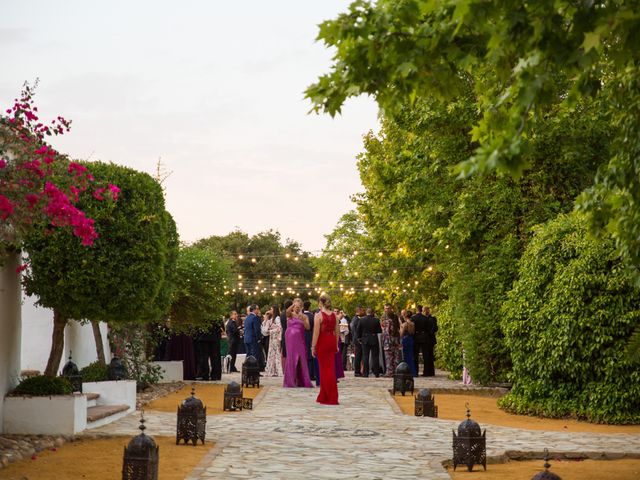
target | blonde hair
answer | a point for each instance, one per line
(296, 300)
(325, 301)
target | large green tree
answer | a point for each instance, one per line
(514, 53)
(126, 276)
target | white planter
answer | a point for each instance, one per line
(55, 415)
(171, 371)
(120, 392)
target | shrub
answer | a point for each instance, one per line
(95, 372)
(449, 348)
(566, 322)
(42, 386)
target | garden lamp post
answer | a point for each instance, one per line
(469, 446)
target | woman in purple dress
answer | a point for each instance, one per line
(296, 372)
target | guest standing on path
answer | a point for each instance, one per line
(296, 371)
(368, 330)
(233, 338)
(274, 330)
(324, 347)
(390, 340)
(424, 340)
(406, 332)
(252, 332)
(313, 364)
(283, 324)
(355, 339)
(207, 347)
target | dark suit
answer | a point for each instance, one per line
(283, 323)
(252, 335)
(357, 347)
(233, 337)
(314, 372)
(425, 341)
(207, 346)
(367, 331)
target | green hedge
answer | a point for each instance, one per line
(95, 372)
(41, 386)
(566, 323)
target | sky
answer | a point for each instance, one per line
(212, 88)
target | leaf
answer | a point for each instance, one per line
(591, 40)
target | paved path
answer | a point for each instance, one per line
(288, 435)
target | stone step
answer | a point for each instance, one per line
(92, 399)
(102, 411)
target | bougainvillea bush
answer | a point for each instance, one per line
(38, 185)
(566, 322)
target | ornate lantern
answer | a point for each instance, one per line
(192, 420)
(250, 372)
(140, 457)
(402, 379)
(469, 446)
(425, 404)
(70, 371)
(117, 370)
(546, 474)
(233, 399)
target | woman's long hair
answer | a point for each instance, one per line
(276, 311)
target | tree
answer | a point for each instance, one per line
(514, 53)
(198, 298)
(566, 322)
(125, 277)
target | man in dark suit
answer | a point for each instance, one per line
(314, 372)
(367, 331)
(357, 347)
(207, 346)
(425, 340)
(252, 332)
(283, 323)
(233, 338)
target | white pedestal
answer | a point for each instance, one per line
(55, 415)
(171, 371)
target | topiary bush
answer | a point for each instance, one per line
(95, 372)
(449, 348)
(566, 322)
(42, 386)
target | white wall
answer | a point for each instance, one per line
(9, 328)
(37, 327)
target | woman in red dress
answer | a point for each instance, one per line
(324, 346)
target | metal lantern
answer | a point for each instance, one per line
(546, 475)
(402, 379)
(71, 372)
(250, 372)
(425, 404)
(469, 446)
(192, 420)
(140, 457)
(232, 397)
(117, 370)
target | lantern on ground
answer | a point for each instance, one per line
(71, 373)
(117, 370)
(140, 457)
(402, 379)
(546, 474)
(469, 446)
(192, 420)
(425, 404)
(250, 372)
(232, 397)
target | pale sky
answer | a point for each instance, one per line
(214, 88)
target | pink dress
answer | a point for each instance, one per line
(296, 371)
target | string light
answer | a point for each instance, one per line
(253, 260)
(240, 257)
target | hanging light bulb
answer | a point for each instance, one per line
(286, 255)
(295, 258)
(278, 276)
(239, 277)
(253, 260)
(307, 285)
(430, 269)
(395, 270)
(240, 257)
(379, 254)
(260, 281)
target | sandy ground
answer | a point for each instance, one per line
(102, 460)
(212, 396)
(566, 469)
(484, 410)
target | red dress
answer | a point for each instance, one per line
(326, 354)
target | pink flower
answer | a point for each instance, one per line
(114, 191)
(97, 193)
(6, 207)
(3, 163)
(21, 268)
(32, 198)
(77, 169)
(42, 150)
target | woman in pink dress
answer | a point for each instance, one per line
(324, 346)
(296, 371)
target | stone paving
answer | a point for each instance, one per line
(288, 435)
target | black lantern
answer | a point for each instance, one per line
(117, 370)
(232, 397)
(402, 379)
(425, 404)
(71, 372)
(469, 446)
(192, 420)
(250, 372)
(140, 457)
(546, 474)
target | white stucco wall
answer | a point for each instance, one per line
(9, 328)
(37, 327)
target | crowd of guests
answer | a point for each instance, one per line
(282, 341)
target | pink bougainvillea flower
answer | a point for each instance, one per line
(42, 150)
(97, 193)
(115, 190)
(6, 207)
(32, 199)
(77, 169)
(3, 163)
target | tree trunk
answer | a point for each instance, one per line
(97, 335)
(57, 344)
